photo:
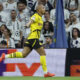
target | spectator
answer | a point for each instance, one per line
(3, 17)
(53, 13)
(48, 29)
(9, 5)
(73, 7)
(49, 42)
(73, 23)
(46, 16)
(75, 40)
(22, 15)
(46, 3)
(7, 37)
(16, 28)
(27, 12)
(2, 29)
(3, 44)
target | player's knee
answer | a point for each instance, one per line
(43, 54)
(24, 55)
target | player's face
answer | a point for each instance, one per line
(42, 9)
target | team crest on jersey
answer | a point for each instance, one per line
(39, 24)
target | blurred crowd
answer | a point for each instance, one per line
(15, 14)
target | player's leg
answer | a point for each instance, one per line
(42, 58)
(22, 54)
(42, 53)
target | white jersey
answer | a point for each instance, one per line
(73, 4)
(27, 32)
(8, 7)
(15, 28)
(3, 16)
(53, 15)
(76, 12)
(24, 17)
(75, 43)
(70, 28)
(27, 15)
(42, 38)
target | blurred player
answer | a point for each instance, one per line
(36, 24)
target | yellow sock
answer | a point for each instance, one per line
(43, 63)
(14, 55)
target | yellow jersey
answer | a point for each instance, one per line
(35, 27)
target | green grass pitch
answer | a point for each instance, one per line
(39, 78)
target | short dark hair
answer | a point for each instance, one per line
(13, 10)
(21, 2)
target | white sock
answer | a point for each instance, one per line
(7, 56)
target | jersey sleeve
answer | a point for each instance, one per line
(34, 18)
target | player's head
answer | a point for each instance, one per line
(40, 9)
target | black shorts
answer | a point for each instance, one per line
(33, 44)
